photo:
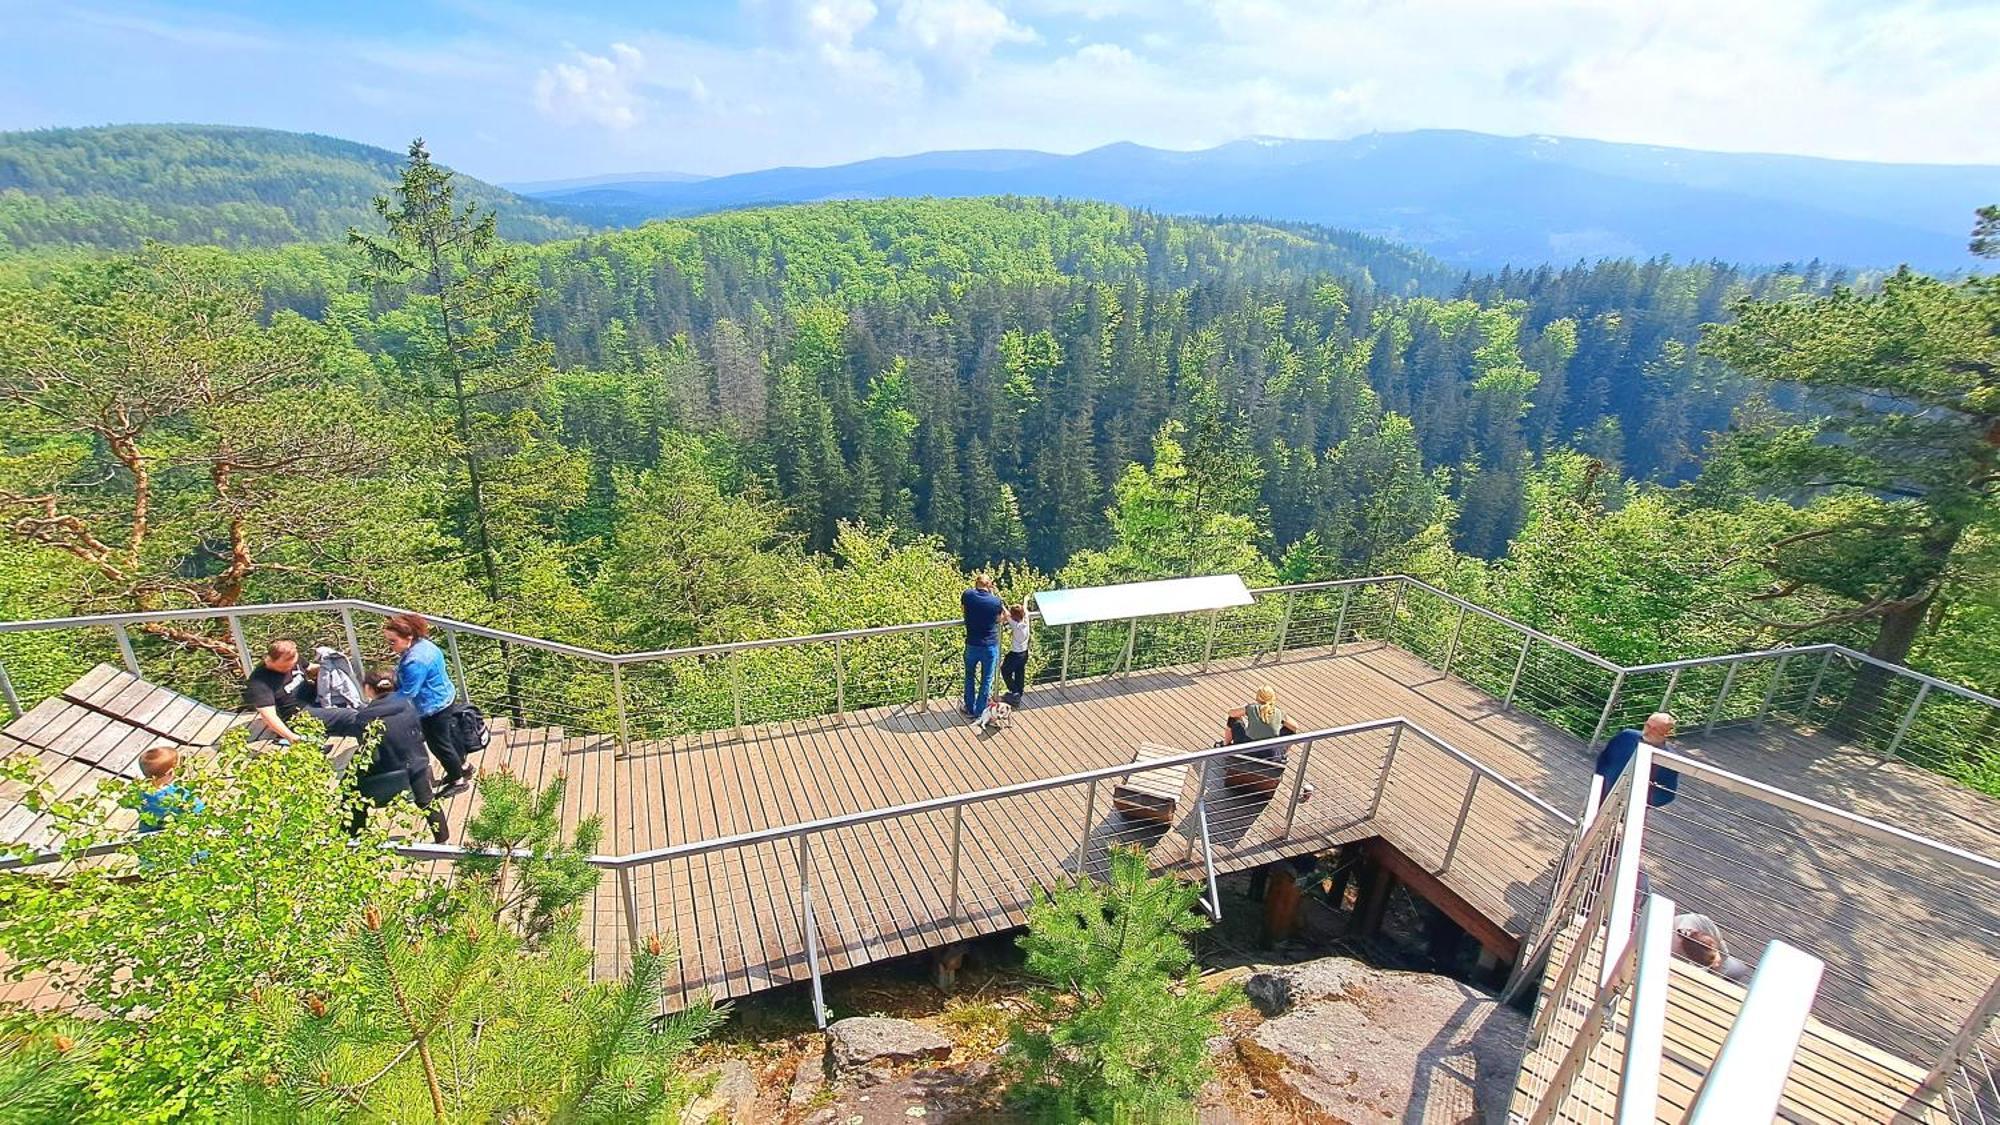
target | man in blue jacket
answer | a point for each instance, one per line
(1623, 746)
(982, 642)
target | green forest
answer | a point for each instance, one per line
(794, 419)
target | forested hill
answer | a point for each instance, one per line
(985, 370)
(116, 186)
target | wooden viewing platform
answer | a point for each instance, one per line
(884, 889)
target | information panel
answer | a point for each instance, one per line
(1141, 599)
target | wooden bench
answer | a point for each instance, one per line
(1155, 794)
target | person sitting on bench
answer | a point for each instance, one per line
(1259, 720)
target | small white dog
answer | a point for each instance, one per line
(997, 716)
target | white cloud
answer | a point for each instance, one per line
(958, 33)
(598, 89)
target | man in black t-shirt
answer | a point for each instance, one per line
(276, 690)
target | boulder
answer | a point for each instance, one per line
(1358, 1044)
(857, 1041)
(1275, 991)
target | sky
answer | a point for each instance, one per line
(526, 91)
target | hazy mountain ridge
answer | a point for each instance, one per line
(1470, 199)
(115, 186)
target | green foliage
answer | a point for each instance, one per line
(531, 891)
(243, 898)
(1897, 460)
(473, 1004)
(160, 430)
(1121, 1033)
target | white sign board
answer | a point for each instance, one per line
(1141, 599)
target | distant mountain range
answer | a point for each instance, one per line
(116, 186)
(1470, 199)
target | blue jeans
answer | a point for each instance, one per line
(980, 660)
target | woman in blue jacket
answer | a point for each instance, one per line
(421, 675)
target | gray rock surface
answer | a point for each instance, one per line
(1359, 1044)
(734, 1096)
(1279, 989)
(855, 1042)
(808, 1079)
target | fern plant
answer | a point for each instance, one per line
(1121, 1032)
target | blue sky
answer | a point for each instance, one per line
(515, 91)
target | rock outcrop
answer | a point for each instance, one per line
(855, 1042)
(1359, 1044)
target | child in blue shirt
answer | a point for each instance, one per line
(165, 798)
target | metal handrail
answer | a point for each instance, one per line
(1525, 630)
(932, 804)
(610, 658)
(1900, 839)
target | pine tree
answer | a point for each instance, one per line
(475, 1005)
(1122, 1034)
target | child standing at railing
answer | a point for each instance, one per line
(1014, 666)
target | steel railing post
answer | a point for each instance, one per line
(1208, 646)
(1721, 697)
(1909, 717)
(736, 687)
(1298, 786)
(1771, 692)
(924, 674)
(1747, 1079)
(1610, 702)
(125, 648)
(1083, 838)
(1284, 625)
(1395, 610)
(1667, 696)
(1458, 828)
(1063, 680)
(242, 646)
(1131, 641)
(1514, 681)
(1631, 851)
(630, 897)
(1963, 1044)
(839, 680)
(1646, 1017)
(457, 666)
(1208, 848)
(1340, 619)
(353, 641)
(957, 835)
(1812, 690)
(1388, 762)
(809, 929)
(624, 725)
(7, 692)
(1451, 646)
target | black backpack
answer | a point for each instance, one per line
(469, 727)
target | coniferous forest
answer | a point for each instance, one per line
(800, 418)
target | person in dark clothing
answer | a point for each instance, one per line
(1623, 746)
(276, 689)
(983, 610)
(389, 724)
